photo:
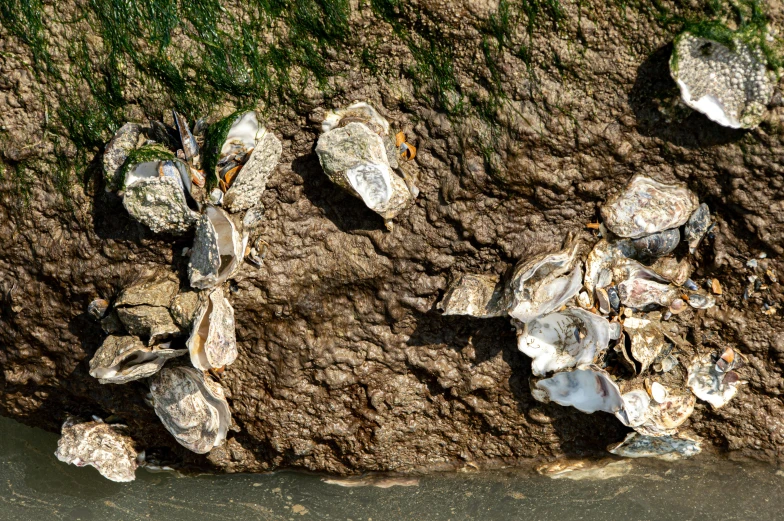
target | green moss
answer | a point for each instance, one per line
(214, 137)
(144, 154)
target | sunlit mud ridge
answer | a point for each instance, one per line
(613, 339)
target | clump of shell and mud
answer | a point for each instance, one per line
(207, 181)
(605, 324)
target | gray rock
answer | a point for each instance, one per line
(150, 293)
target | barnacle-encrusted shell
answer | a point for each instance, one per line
(587, 390)
(657, 244)
(99, 445)
(123, 359)
(538, 287)
(155, 200)
(152, 322)
(480, 296)
(212, 343)
(217, 250)
(708, 383)
(355, 158)
(646, 206)
(731, 86)
(647, 341)
(697, 226)
(564, 339)
(116, 152)
(192, 407)
(153, 292)
(251, 181)
(668, 448)
(664, 418)
(672, 269)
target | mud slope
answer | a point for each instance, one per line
(345, 364)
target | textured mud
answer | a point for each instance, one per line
(345, 365)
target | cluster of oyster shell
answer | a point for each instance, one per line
(357, 153)
(731, 85)
(164, 187)
(598, 329)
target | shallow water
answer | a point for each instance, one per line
(36, 486)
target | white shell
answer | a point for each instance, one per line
(587, 390)
(475, 295)
(667, 448)
(98, 445)
(217, 250)
(192, 407)
(646, 206)
(730, 86)
(603, 257)
(562, 340)
(647, 340)
(123, 359)
(158, 202)
(212, 343)
(538, 287)
(707, 382)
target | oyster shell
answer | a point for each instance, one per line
(538, 287)
(598, 266)
(669, 268)
(155, 190)
(697, 226)
(217, 251)
(480, 296)
(212, 343)
(116, 152)
(701, 300)
(709, 383)
(123, 359)
(354, 156)
(646, 206)
(152, 322)
(98, 445)
(647, 341)
(731, 86)
(587, 390)
(667, 448)
(154, 292)
(643, 287)
(98, 308)
(254, 151)
(664, 418)
(657, 244)
(192, 407)
(564, 339)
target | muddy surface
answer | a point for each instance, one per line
(345, 364)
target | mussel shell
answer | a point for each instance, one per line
(697, 226)
(98, 308)
(657, 244)
(615, 299)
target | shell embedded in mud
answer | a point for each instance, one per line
(587, 390)
(563, 340)
(116, 152)
(480, 296)
(645, 207)
(217, 251)
(98, 445)
(212, 343)
(710, 383)
(98, 308)
(543, 284)
(192, 407)
(354, 155)
(730, 85)
(123, 359)
(668, 448)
